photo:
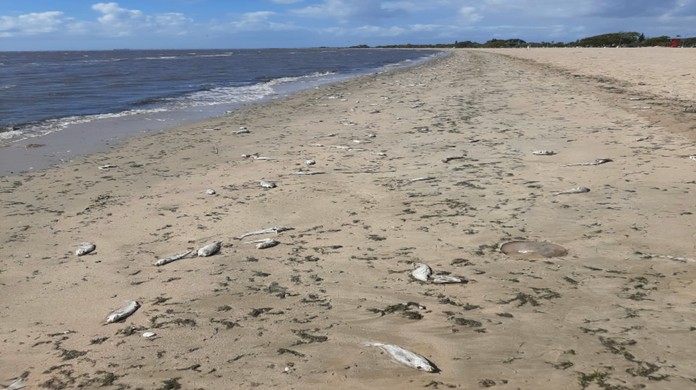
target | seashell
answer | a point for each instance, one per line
(210, 191)
(149, 335)
(406, 357)
(210, 249)
(85, 248)
(310, 162)
(122, 313)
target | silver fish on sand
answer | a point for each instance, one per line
(422, 272)
(256, 156)
(446, 279)
(210, 249)
(125, 311)
(85, 248)
(172, 258)
(543, 152)
(267, 184)
(106, 166)
(275, 229)
(16, 385)
(598, 161)
(423, 178)
(310, 162)
(309, 173)
(576, 190)
(210, 191)
(406, 357)
(265, 243)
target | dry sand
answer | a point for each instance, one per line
(617, 312)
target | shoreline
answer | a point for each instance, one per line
(83, 136)
(433, 164)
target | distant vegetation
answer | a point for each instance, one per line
(618, 39)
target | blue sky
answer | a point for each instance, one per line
(164, 24)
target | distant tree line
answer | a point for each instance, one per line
(618, 39)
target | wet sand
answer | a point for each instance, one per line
(431, 165)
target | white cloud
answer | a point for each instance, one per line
(31, 24)
(254, 21)
(376, 31)
(355, 10)
(120, 22)
(470, 14)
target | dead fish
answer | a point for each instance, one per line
(423, 178)
(309, 173)
(544, 152)
(310, 162)
(16, 385)
(598, 161)
(170, 259)
(242, 130)
(210, 249)
(692, 157)
(275, 229)
(149, 335)
(255, 156)
(210, 191)
(446, 279)
(122, 313)
(265, 243)
(422, 272)
(106, 166)
(85, 248)
(406, 357)
(576, 190)
(267, 184)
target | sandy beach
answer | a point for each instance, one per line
(434, 164)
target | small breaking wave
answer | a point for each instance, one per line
(38, 129)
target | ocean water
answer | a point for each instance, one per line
(45, 93)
